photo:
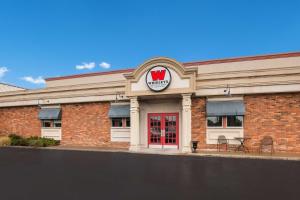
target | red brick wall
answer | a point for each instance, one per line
(20, 120)
(199, 121)
(277, 115)
(87, 124)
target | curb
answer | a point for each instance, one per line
(261, 157)
(211, 155)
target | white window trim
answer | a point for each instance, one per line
(48, 120)
(218, 127)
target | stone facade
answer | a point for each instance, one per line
(20, 120)
(275, 115)
(87, 124)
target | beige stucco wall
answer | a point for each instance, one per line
(276, 75)
(249, 77)
(117, 77)
(9, 88)
(265, 64)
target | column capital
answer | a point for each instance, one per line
(186, 95)
(186, 100)
(134, 102)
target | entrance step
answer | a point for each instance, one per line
(159, 151)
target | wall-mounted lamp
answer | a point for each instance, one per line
(227, 91)
(118, 96)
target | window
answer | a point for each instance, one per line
(57, 124)
(51, 123)
(47, 123)
(127, 122)
(116, 122)
(120, 122)
(214, 121)
(235, 121)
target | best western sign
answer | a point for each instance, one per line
(158, 78)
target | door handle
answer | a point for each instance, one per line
(162, 133)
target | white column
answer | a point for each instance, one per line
(135, 124)
(186, 123)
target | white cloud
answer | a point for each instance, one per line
(3, 70)
(104, 65)
(30, 79)
(90, 65)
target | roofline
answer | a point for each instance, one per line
(241, 59)
(8, 84)
(188, 64)
(90, 74)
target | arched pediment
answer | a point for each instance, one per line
(179, 79)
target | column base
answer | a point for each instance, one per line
(134, 148)
(186, 149)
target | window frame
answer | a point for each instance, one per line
(46, 121)
(52, 123)
(123, 121)
(227, 126)
(217, 127)
(113, 123)
(57, 121)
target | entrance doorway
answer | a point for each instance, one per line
(163, 130)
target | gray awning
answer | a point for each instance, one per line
(225, 108)
(116, 111)
(50, 113)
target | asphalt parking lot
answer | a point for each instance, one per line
(70, 175)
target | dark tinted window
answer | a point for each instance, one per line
(214, 121)
(116, 122)
(128, 122)
(234, 121)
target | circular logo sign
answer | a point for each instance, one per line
(158, 78)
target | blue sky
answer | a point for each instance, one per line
(41, 39)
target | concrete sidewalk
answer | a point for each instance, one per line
(276, 156)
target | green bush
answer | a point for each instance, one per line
(33, 141)
(49, 142)
(16, 140)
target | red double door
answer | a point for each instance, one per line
(163, 130)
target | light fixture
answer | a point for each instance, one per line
(227, 91)
(118, 96)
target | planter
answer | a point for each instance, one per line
(194, 146)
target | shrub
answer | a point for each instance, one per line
(4, 141)
(17, 140)
(33, 141)
(49, 142)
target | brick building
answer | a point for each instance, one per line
(164, 105)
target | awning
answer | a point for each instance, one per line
(225, 108)
(117, 111)
(50, 113)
